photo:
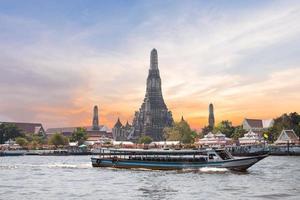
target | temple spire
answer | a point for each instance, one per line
(118, 124)
(211, 118)
(182, 119)
(153, 59)
(95, 118)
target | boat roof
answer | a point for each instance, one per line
(158, 151)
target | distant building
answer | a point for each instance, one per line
(94, 132)
(29, 128)
(255, 128)
(67, 131)
(211, 117)
(251, 138)
(122, 133)
(287, 136)
(218, 139)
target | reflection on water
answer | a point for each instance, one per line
(72, 177)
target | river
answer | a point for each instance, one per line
(73, 177)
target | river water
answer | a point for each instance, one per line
(73, 177)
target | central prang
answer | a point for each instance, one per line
(153, 116)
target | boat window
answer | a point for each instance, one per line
(211, 156)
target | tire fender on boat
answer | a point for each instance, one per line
(115, 159)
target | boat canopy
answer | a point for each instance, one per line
(152, 152)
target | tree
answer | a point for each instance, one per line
(171, 134)
(35, 139)
(206, 129)
(238, 132)
(225, 127)
(144, 139)
(9, 131)
(58, 139)
(21, 141)
(34, 144)
(180, 131)
(79, 135)
(285, 121)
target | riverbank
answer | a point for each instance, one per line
(251, 150)
(254, 150)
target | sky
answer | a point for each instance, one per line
(60, 58)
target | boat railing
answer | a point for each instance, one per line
(150, 152)
(160, 158)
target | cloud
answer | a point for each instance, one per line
(240, 59)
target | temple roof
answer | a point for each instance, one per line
(254, 123)
(102, 128)
(287, 135)
(27, 127)
(127, 125)
(259, 123)
(118, 124)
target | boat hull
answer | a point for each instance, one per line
(12, 153)
(240, 164)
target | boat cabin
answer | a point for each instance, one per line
(166, 155)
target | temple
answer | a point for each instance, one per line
(153, 115)
(122, 133)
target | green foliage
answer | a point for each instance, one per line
(285, 121)
(206, 129)
(38, 139)
(58, 139)
(180, 131)
(34, 144)
(144, 139)
(21, 141)
(225, 127)
(9, 131)
(171, 134)
(238, 132)
(79, 135)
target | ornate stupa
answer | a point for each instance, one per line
(153, 115)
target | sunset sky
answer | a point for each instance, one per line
(60, 58)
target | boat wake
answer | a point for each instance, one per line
(213, 169)
(8, 167)
(54, 165)
(206, 170)
(70, 166)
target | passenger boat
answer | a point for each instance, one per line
(172, 159)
